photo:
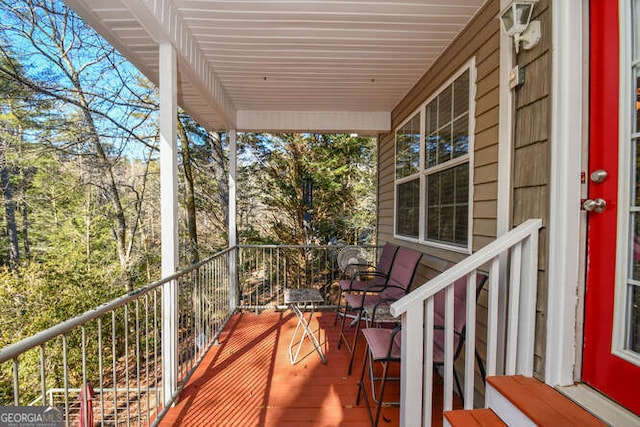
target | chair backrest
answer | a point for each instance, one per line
(459, 308)
(402, 272)
(385, 262)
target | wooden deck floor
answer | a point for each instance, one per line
(247, 380)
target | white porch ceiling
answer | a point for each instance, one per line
(295, 65)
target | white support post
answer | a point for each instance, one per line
(505, 150)
(564, 215)
(232, 227)
(169, 216)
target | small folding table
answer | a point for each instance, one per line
(298, 300)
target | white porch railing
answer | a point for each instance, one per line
(520, 246)
(118, 346)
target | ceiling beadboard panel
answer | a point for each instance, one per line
(289, 55)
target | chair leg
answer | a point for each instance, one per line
(343, 320)
(355, 341)
(335, 320)
(366, 366)
(383, 384)
(361, 381)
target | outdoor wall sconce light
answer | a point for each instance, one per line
(307, 191)
(516, 23)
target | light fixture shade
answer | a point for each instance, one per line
(515, 17)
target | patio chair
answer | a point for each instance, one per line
(375, 275)
(384, 345)
(405, 265)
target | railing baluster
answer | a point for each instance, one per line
(100, 370)
(427, 373)
(114, 357)
(527, 331)
(16, 382)
(43, 377)
(448, 349)
(65, 379)
(126, 364)
(137, 361)
(470, 341)
(514, 309)
(492, 321)
(83, 386)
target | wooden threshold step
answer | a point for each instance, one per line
(542, 404)
(472, 418)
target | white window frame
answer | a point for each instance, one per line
(424, 172)
(620, 331)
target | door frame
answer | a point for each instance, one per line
(567, 224)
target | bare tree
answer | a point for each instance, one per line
(104, 112)
(189, 193)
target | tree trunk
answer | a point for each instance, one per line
(190, 200)
(221, 173)
(10, 210)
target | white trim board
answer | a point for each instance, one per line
(564, 217)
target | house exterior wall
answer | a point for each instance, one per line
(480, 40)
(530, 168)
(532, 158)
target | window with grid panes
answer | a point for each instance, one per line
(432, 173)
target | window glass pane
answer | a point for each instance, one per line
(444, 145)
(432, 116)
(461, 136)
(408, 148)
(461, 95)
(462, 184)
(408, 208)
(447, 184)
(446, 223)
(448, 205)
(433, 190)
(432, 149)
(462, 203)
(444, 107)
(433, 223)
(633, 338)
(448, 136)
(461, 224)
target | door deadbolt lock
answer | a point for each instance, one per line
(594, 205)
(599, 176)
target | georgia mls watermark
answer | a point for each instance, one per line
(31, 416)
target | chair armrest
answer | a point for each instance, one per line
(358, 268)
(383, 302)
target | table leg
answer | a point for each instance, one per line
(306, 332)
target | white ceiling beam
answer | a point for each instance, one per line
(162, 21)
(373, 122)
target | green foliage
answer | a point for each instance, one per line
(343, 171)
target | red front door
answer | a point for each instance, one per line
(611, 353)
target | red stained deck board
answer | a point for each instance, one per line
(247, 380)
(474, 418)
(541, 403)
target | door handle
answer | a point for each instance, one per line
(594, 205)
